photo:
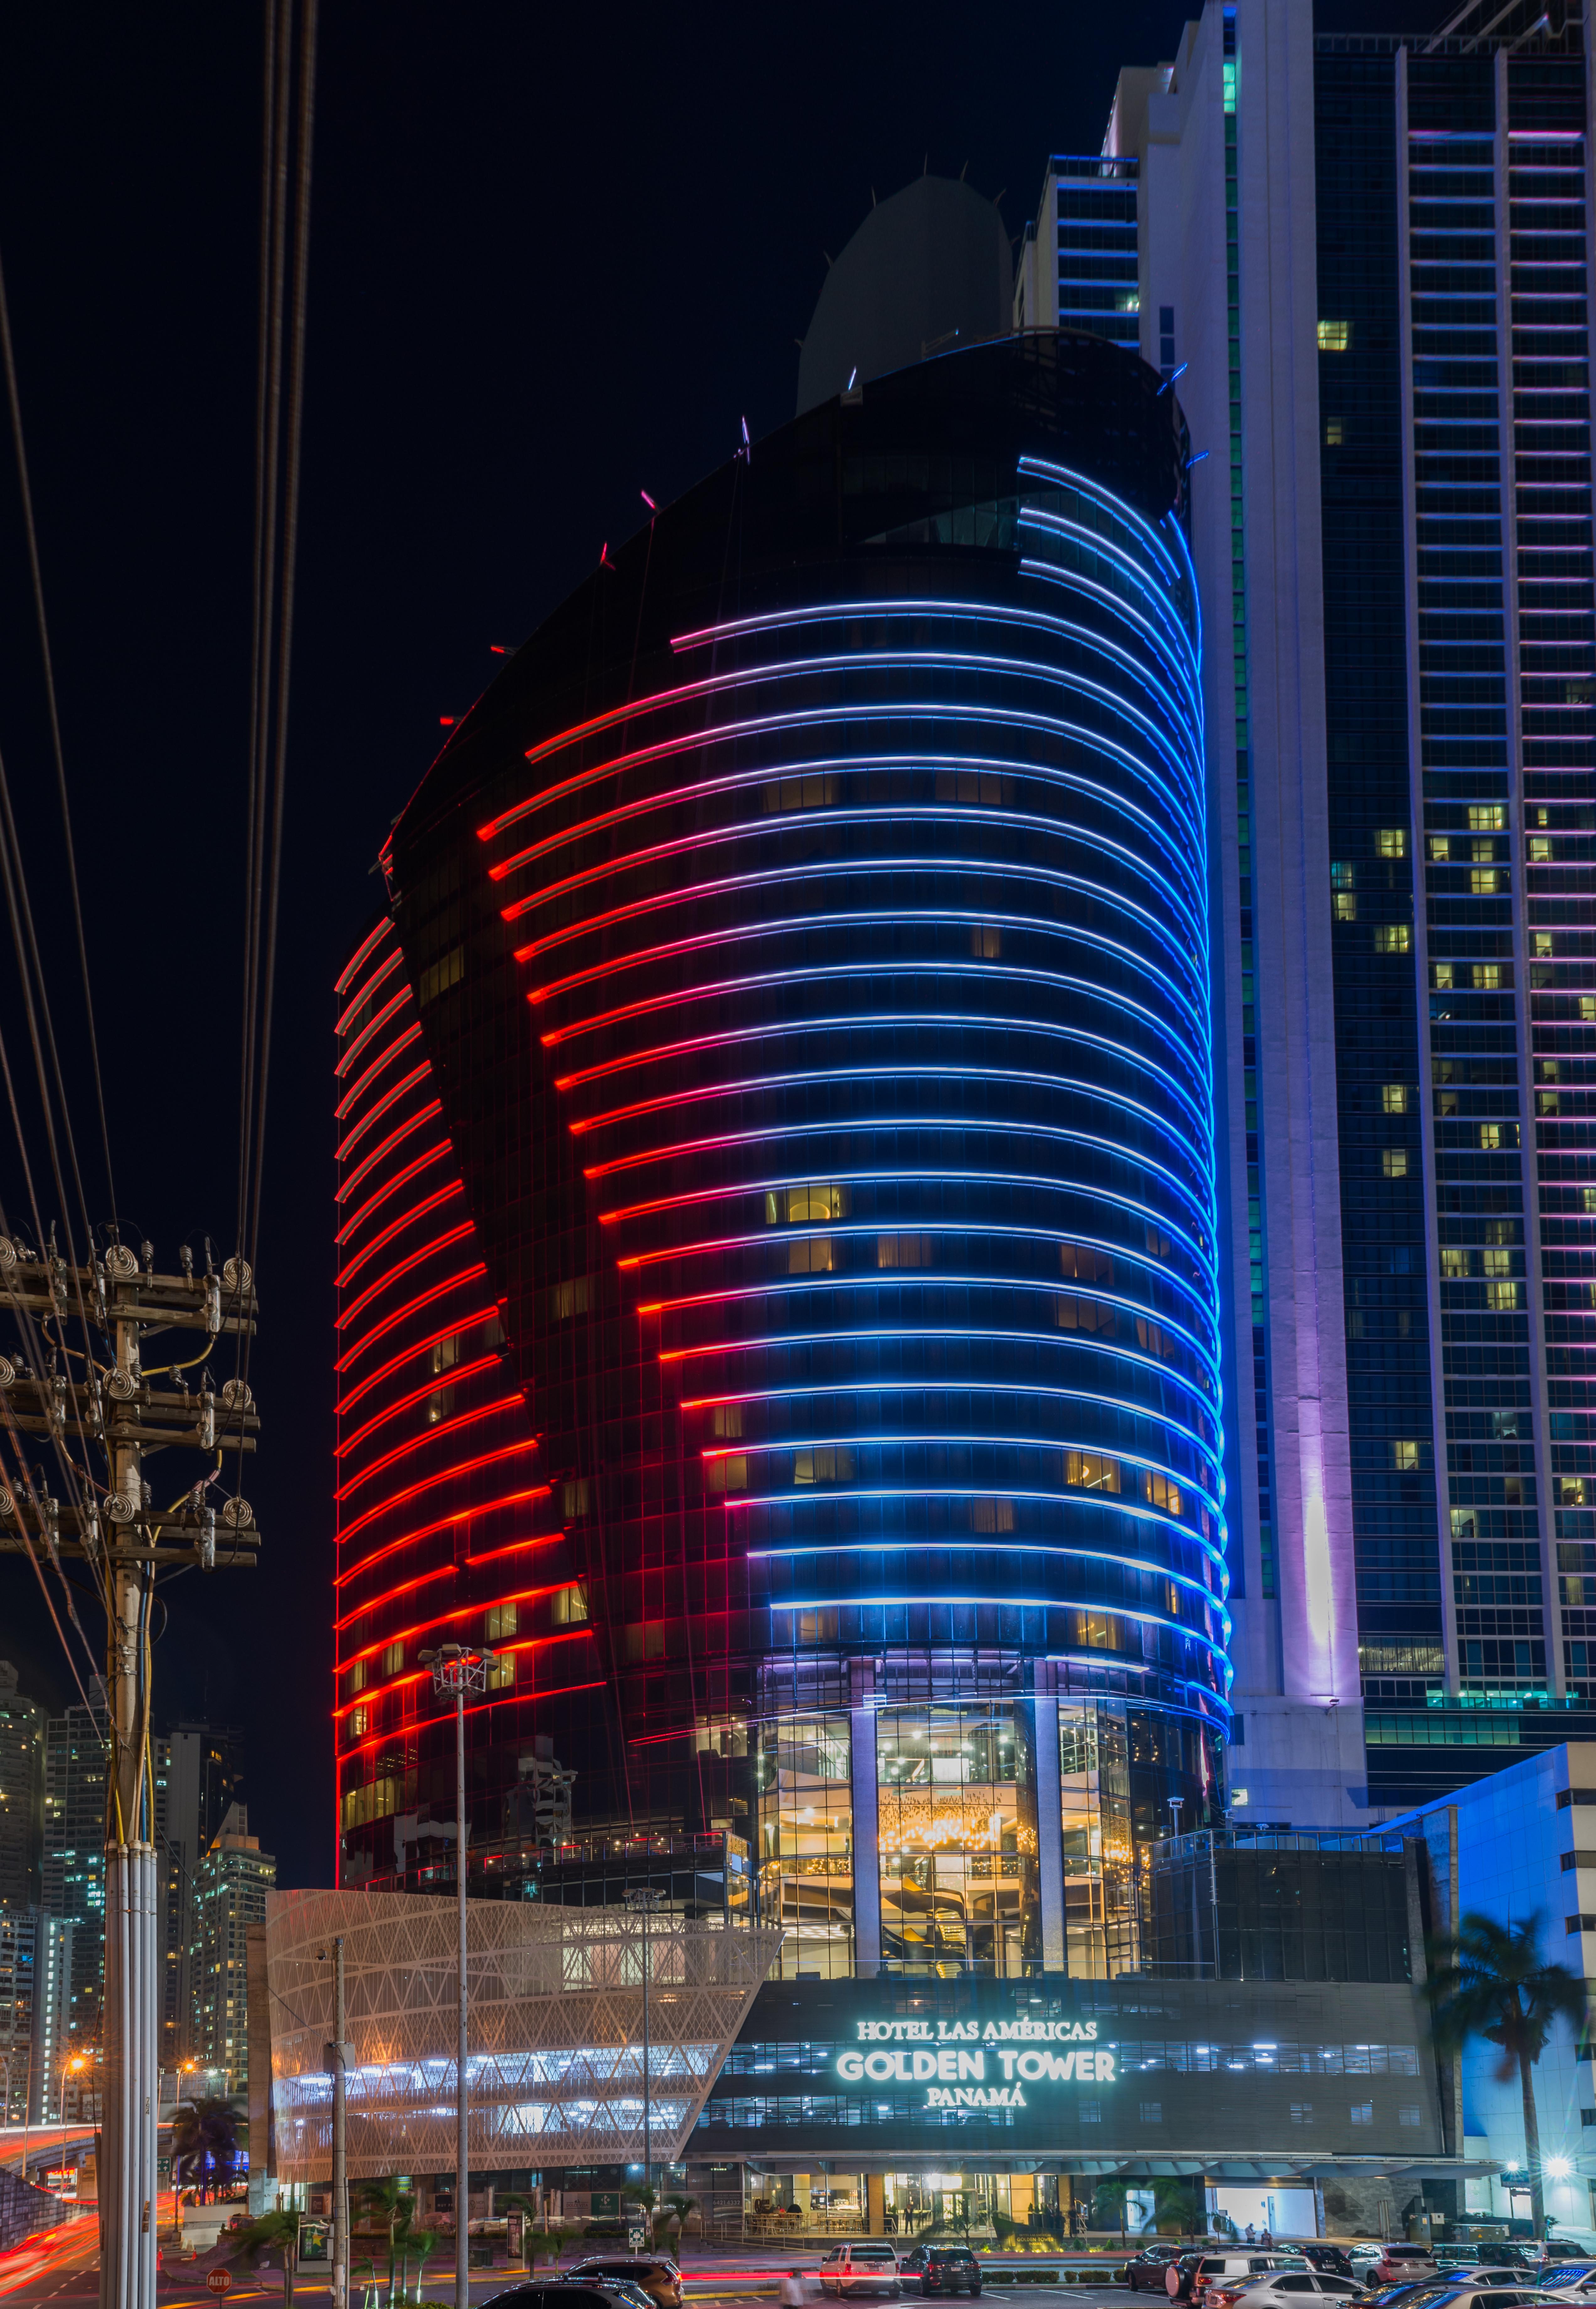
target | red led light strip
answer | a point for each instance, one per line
(384, 969)
(446, 1571)
(453, 1376)
(388, 1189)
(425, 1299)
(406, 1266)
(397, 1226)
(459, 1515)
(401, 1043)
(511, 1693)
(430, 1483)
(368, 1030)
(448, 1620)
(420, 1347)
(394, 1138)
(360, 952)
(406, 1082)
(427, 1435)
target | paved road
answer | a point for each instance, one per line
(62, 2272)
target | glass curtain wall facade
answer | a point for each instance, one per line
(808, 943)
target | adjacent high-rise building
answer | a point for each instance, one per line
(1365, 261)
(74, 1868)
(197, 1777)
(35, 2004)
(231, 1886)
(21, 1792)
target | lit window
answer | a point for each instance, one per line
(1394, 1161)
(1462, 1523)
(1391, 841)
(358, 1675)
(1541, 943)
(1502, 1298)
(359, 1720)
(500, 1620)
(727, 1419)
(1335, 336)
(810, 1254)
(1083, 1315)
(439, 976)
(1454, 1264)
(1487, 976)
(903, 1250)
(1393, 937)
(575, 1497)
(1090, 1471)
(1085, 1263)
(808, 790)
(791, 1206)
(570, 1606)
(440, 1404)
(991, 1515)
(1159, 1491)
(1440, 849)
(392, 1658)
(1547, 1102)
(1344, 906)
(1490, 1135)
(1571, 1490)
(1487, 817)
(1487, 882)
(1587, 1196)
(1333, 433)
(1587, 1006)
(727, 1473)
(1440, 976)
(1540, 850)
(572, 1298)
(445, 1353)
(1343, 875)
(986, 942)
(822, 1463)
(1404, 1455)
(501, 1672)
(1393, 1097)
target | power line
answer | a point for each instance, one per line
(49, 683)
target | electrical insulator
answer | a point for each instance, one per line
(207, 1539)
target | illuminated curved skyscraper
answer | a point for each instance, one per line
(804, 948)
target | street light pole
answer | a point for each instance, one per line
(457, 1669)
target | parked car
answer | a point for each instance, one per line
(655, 2272)
(564, 2293)
(1334, 2260)
(1285, 2288)
(1570, 2280)
(1144, 2270)
(1190, 2278)
(940, 2269)
(849, 2270)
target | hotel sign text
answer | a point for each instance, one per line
(972, 2064)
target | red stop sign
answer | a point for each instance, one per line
(219, 2281)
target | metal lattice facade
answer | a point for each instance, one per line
(556, 2072)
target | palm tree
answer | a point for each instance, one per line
(279, 2229)
(1490, 1980)
(395, 2204)
(205, 2141)
(677, 2209)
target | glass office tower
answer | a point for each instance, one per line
(1368, 260)
(803, 1157)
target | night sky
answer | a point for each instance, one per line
(556, 255)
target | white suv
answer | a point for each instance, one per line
(857, 2269)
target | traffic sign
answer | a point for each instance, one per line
(219, 2281)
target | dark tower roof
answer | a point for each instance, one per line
(928, 268)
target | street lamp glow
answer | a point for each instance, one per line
(1557, 2167)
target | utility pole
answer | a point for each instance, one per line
(338, 2052)
(123, 1538)
(457, 1669)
